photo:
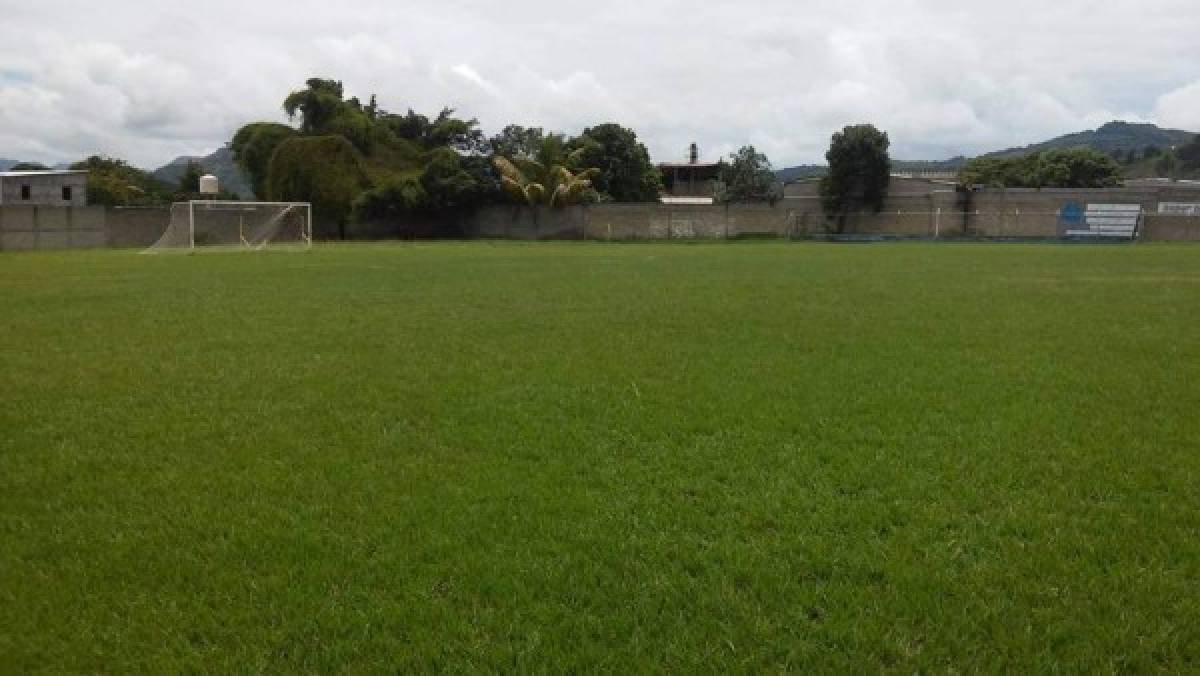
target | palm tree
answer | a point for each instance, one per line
(546, 178)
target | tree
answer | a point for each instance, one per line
(113, 182)
(29, 166)
(625, 172)
(189, 182)
(390, 201)
(317, 104)
(1058, 168)
(444, 130)
(859, 171)
(449, 184)
(1075, 168)
(547, 179)
(453, 182)
(324, 170)
(323, 112)
(1151, 151)
(747, 177)
(1166, 164)
(253, 145)
(517, 141)
(1189, 155)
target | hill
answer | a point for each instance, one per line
(916, 166)
(219, 163)
(801, 171)
(1114, 137)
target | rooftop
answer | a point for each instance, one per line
(44, 172)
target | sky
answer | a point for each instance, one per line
(149, 81)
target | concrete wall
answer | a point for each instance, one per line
(136, 227)
(1163, 228)
(44, 189)
(998, 214)
(897, 186)
(30, 227)
(796, 217)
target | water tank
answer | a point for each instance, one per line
(208, 185)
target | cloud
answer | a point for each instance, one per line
(471, 75)
(1180, 108)
(149, 81)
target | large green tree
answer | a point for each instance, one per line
(1059, 168)
(747, 177)
(253, 145)
(327, 171)
(859, 171)
(625, 173)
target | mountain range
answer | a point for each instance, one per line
(1112, 138)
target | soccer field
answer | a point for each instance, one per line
(575, 456)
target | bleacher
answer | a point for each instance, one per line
(1108, 221)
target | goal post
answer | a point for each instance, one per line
(236, 225)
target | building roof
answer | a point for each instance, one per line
(43, 172)
(667, 199)
(687, 165)
(1182, 183)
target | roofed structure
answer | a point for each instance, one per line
(55, 188)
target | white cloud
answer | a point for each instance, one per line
(1180, 108)
(148, 80)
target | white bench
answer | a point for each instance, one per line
(1116, 221)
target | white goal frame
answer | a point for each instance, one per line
(244, 244)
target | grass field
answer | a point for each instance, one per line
(527, 457)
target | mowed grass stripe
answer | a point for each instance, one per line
(558, 456)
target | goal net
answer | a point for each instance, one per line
(253, 226)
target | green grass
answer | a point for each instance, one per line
(644, 457)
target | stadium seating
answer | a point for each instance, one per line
(1109, 221)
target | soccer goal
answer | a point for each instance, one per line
(247, 226)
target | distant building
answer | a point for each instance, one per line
(44, 188)
(690, 182)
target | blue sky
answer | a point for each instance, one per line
(150, 80)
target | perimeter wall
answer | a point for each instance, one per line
(942, 214)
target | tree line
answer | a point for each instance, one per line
(360, 162)
(356, 161)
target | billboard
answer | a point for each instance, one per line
(1179, 208)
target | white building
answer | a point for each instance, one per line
(67, 188)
